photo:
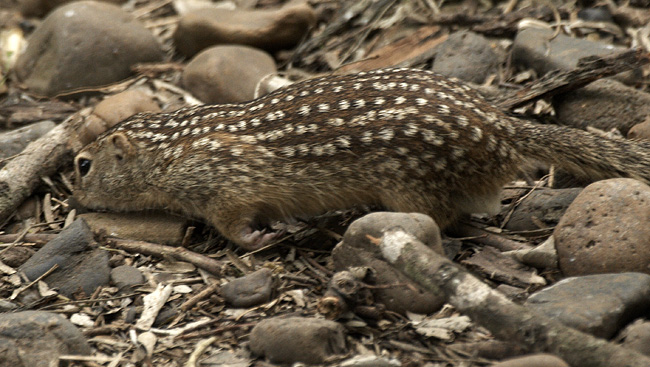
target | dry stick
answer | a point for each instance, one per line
(588, 70)
(42, 157)
(487, 238)
(39, 238)
(491, 309)
(210, 265)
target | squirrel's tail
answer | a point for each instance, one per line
(582, 153)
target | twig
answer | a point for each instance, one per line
(203, 262)
(492, 310)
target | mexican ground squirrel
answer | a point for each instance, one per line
(408, 140)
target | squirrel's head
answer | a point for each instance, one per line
(109, 174)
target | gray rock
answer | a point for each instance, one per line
(13, 142)
(84, 44)
(125, 277)
(467, 56)
(36, 339)
(81, 266)
(596, 304)
(546, 206)
(538, 49)
(297, 339)
(250, 290)
(605, 229)
(227, 74)
(269, 30)
(357, 250)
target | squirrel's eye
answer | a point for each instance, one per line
(84, 166)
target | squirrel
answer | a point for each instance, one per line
(405, 139)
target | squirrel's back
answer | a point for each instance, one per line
(409, 140)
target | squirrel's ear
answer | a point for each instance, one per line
(121, 146)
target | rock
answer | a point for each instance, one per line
(636, 336)
(605, 229)
(226, 358)
(250, 290)
(13, 142)
(538, 49)
(142, 226)
(81, 266)
(114, 109)
(597, 14)
(640, 131)
(596, 304)
(84, 44)
(489, 349)
(370, 361)
(541, 207)
(269, 30)
(468, 56)
(357, 250)
(227, 74)
(38, 8)
(37, 339)
(533, 360)
(120, 106)
(16, 256)
(604, 104)
(125, 277)
(297, 339)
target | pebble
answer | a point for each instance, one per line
(269, 30)
(227, 74)
(114, 109)
(14, 141)
(357, 250)
(370, 361)
(636, 336)
(467, 56)
(597, 304)
(118, 107)
(250, 290)
(125, 277)
(81, 266)
(37, 338)
(597, 14)
(605, 229)
(38, 8)
(297, 339)
(533, 360)
(16, 256)
(640, 131)
(153, 227)
(84, 44)
(541, 207)
(226, 358)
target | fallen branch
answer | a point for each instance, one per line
(491, 309)
(589, 70)
(40, 158)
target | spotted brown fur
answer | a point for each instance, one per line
(406, 139)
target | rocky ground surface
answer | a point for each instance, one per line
(561, 277)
